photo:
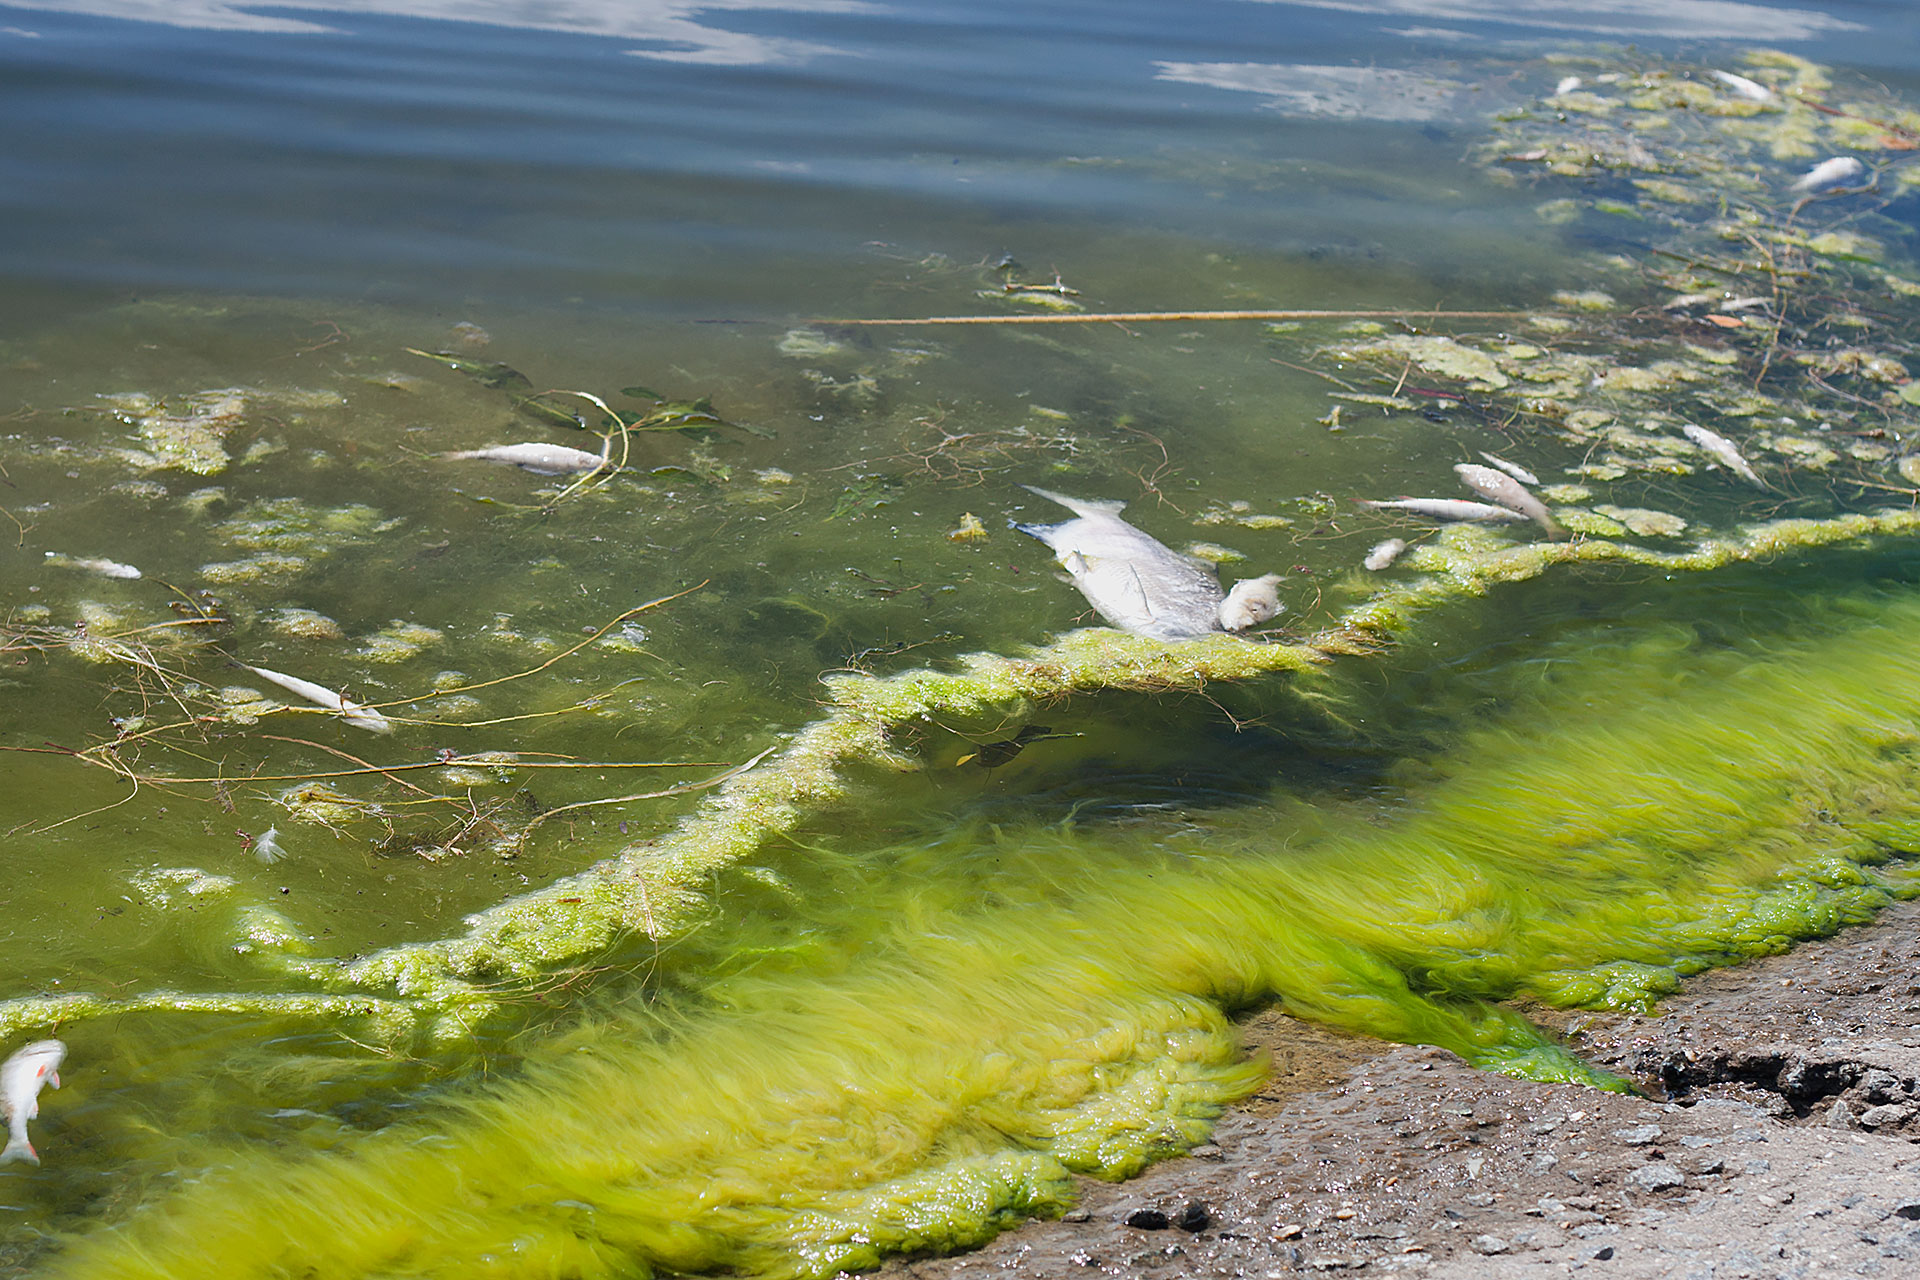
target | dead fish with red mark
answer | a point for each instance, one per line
(1509, 493)
(22, 1076)
(1721, 450)
(1455, 509)
(352, 712)
(1139, 584)
(541, 459)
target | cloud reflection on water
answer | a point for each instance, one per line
(1674, 19)
(1347, 93)
(670, 29)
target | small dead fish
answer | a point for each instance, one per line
(1513, 469)
(105, 568)
(1567, 85)
(22, 1076)
(1751, 90)
(352, 712)
(1139, 584)
(266, 846)
(1722, 451)
(1830, 175)
(541, 459)
(1384, 554)
(1447, 509)
(1509, 493)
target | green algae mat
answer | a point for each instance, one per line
(707, 863)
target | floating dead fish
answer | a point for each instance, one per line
(1566, 86)
(22, 1076)
(1513, 469)
(352, 712)
(1138, 584)
(541, 459)
(1832, 175)
(1384, 554)
(1722, 451)
(1751, 90)
(1509, 493)
(105, 568)
(1447, 509)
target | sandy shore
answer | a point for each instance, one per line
(1777, 1138)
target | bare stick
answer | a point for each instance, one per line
(1143, 317)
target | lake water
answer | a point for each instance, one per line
(952, 937)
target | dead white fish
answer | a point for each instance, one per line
(1831, 175)
(1509, 493)
(266, 846)
(105, 568)
(22, 1076)
(1513, 469)
(1566, 85)
(1751, 90)
(1384, 554)
(1447, 509)
(352, 712)
(1722, 451)
(541, 459)
(1139, 584)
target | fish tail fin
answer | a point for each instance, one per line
(19, 1149)
(1080, 506)
(1039, 531)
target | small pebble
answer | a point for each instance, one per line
(1146, 1220)
(1487, 1244)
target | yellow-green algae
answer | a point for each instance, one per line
(936, 1036)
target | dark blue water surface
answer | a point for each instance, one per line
(675, 157)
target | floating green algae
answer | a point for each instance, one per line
(934, 1035)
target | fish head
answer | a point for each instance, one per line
(1252, 601)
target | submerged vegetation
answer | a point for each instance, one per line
(841, 1005)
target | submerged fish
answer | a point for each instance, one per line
(1722, 451)
(1509, 493)
(22, 1076)
(105, 568)
(352, 712)
(1139, 584)
(541, 459)
(1447, 509)
(1384, 554)
(1841, 171)
(1751, 90)
(1513, 469)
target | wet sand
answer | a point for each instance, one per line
(1779, 1137)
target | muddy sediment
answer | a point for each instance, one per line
(1778, 1136)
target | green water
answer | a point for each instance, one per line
(872, 995)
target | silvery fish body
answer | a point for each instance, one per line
(105, 568)
(1722, 451)
(541, 459)
(1136, 582)
(22, 1076)
(1514, 469)
(1447, 509)
(352, 712)
(1509, 493)
(1751, 90)
(1841, 171)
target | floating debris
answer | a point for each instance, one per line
(305, 624)
(105, 568)
(540, 459)
(1645, 523)
(266, 846)
(969, 529)
(1384, 554)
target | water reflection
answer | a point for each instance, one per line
(1671, 19)
(671, 30)
(1351, 93)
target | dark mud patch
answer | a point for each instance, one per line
(1778, 1138)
